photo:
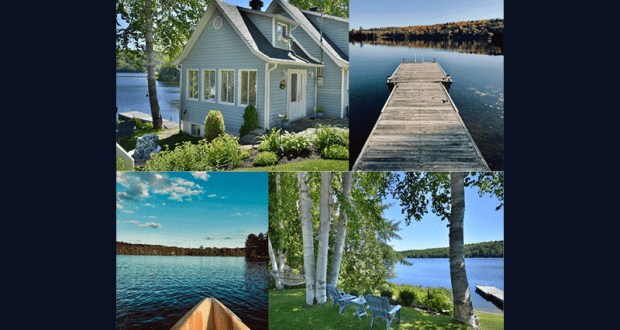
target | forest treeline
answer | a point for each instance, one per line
(493, 249)
(491, 29)
(255, 247)
(163, 70)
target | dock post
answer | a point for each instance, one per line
(414, 58)
(434, 60)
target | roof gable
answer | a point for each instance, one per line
(258, 44)
(331, 49)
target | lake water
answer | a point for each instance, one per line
(478, 88)
(154, 292)
(132, 91)
(436, 273)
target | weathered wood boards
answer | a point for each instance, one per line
(492, 294)
(129, 115)
(419, 128)
(210, 314)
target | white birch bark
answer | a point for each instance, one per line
(305, 206)
(463, 308)
(341, 232)
(323, 237)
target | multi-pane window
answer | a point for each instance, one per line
(282, 31)
(208, 83)
(195, 130)
(227, 86)
(192, 84)
(247, 92)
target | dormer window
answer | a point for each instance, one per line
(282, 32)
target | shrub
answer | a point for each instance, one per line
(272, 141)
(387, 293)
(223, 151)
(142, 125)
(250, 120)
(335, 152)
(295, 144)
(406, 297)
(266, 158)
(185, 157)
(437, 299)
(330, 135)
(214, 125)
(354, 292)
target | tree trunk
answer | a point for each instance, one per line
(274, 263)
(280, 263)
(463, 308)
(323, 237)
(342, 232)
(305, 206)
(150, 66)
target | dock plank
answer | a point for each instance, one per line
(419, 128)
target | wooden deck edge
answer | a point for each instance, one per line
(356, 164)
(473, 142)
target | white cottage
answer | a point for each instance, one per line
(283, 60)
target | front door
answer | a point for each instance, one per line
(297, 94)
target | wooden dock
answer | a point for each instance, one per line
(491, 293)
(419, 128)
(129, 115)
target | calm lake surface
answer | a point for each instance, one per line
(477, 90)
(154, 292)
(132, 91)
(436, 273)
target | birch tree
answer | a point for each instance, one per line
(341, 229)
(151, 25)
(323, 236)
(446, 191)
(305, 210)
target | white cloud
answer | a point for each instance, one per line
(151, 224)
(119, 206)
(140, 185)
(132, 221)
(201, 175)
(127, 211)
(212, 195)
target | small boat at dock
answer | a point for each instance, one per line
(210, 314)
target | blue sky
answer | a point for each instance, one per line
(397, 13)
(190, 209)
(482, 224)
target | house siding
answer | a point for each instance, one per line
(278, 99)
(337, 31)
(220, 49)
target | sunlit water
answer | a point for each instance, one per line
(477, 90)
(154, 292)
(132, 95)
(435, 272)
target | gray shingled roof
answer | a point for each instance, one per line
(265, 46)
(342, 54)
(300, 17)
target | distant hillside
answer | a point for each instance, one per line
(160, 250)
(163, 70)
(477, 250)
(491, 29)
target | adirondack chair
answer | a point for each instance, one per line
(125, 128)
(340, 298)
(381, 308)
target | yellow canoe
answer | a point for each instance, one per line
(210, 314)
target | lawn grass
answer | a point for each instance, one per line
(311, 165)
(286, 311)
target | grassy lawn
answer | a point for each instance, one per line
(286, 311)
(308, 165)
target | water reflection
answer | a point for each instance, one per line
(480, 47)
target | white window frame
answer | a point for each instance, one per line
(279, 34)
(194, 127)
(204, 84)
(222, 88)
(239, 101)
(187, 90)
